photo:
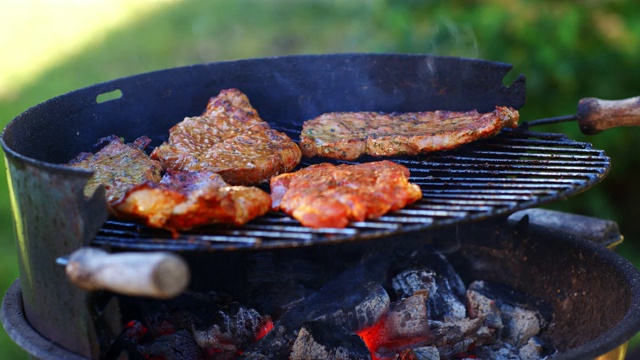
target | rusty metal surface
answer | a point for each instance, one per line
(52, 218)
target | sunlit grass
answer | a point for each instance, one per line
(37, 34)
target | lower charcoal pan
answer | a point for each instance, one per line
(594, 293)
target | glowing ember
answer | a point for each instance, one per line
(371, 337)
(264, 329)
(135, 331)
(381, 336)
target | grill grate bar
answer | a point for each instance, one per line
(515, 155)
(452, 207)
(475, 202)
(431, 213)
(430, 180)
(270, 228)
(536, 146)
(518, 165)
(496, 186)
(396, 217)
(488, 199)
(515, 170)
(519, 195)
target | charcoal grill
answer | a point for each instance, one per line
(516, 170)
(478, 185)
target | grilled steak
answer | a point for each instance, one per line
(348, 135)
(326, 195)
(231, 140)
(118, 166)
(184, 200)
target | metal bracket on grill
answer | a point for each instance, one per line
(603, 232)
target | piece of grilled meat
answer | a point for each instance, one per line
(349, 135)
(326, 195)
(118, 167)
(185, 200)
(231, 140)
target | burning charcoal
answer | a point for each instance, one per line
(409, 281)
(426, 353)
(521, 324)
(351, 308)
(443, 300)
(177, 346)
(233, 329)
(347, 301)
(408, 318)
(520, 319)
(134, 332)
(165, 323)
(430, 270)
(448, 351)
(429, 259)
(351, 300)
(405, 324)
(356, 312)
(502, 352)
(321, 340)
(532, 350)
(446, 274)
(276, 345)
(444, 305)
(481, 306)
(183, 312)
(457, 336)
(419, 353)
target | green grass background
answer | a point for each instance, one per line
(566, 51)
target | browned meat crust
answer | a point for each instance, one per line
(184, 200)
(231, 140)
(351, 135)
(118, 166)
(325, 195)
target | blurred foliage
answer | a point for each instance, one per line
(567, 50)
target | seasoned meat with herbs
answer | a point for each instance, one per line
(229, 138)
(349, 135)
(326, 195)
(185, 200)
(118, 167)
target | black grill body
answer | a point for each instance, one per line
(485, 180)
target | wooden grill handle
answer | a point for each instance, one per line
(159, 275)
(595, 115)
